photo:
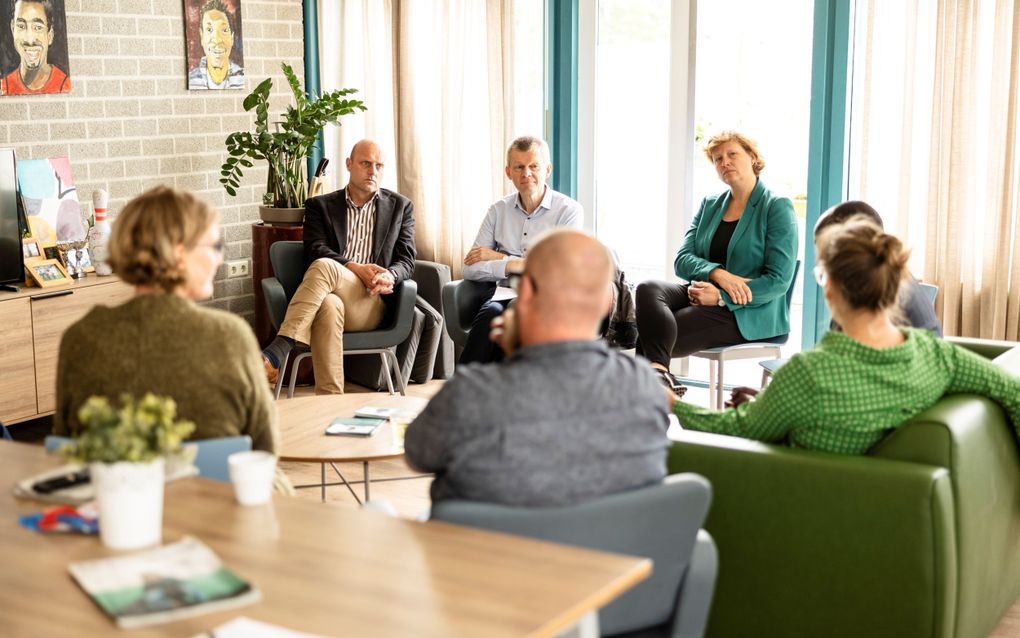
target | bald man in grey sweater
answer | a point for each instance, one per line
(564, 418)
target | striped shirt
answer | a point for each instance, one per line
(360, 226)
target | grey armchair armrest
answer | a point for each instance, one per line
(276, 300)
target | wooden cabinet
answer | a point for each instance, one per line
(17, 381)
(32, 323)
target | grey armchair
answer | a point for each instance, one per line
(662, 522)
(288, 262)
(461, 301)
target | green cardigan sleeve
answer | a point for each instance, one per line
(261, 423)
(785, 402)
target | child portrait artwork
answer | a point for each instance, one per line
(33, 48)
(214, 44)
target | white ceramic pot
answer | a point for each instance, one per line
(130, 499)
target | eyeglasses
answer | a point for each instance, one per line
(516, 278)
(821, 276)
(219, 245)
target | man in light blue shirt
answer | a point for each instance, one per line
(509, 228)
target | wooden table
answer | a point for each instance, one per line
(321, 569)
(303, 422)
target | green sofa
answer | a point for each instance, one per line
(919, 538)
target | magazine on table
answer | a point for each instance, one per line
(356, 426)
(164, 584)
(370, 411)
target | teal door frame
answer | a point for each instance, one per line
(828, 145)
(561, 93)
(311, 23)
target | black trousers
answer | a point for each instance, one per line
(669, 326)
(479, 348)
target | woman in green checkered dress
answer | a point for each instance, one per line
(858, 385)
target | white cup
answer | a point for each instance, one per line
(251, 473)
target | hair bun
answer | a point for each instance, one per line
(889, 251)
(866, 263)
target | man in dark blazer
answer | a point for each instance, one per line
(359, 244)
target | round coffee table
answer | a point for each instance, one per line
(303, 422)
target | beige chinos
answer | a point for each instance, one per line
(330, 299)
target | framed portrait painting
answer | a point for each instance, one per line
(33, 48)
(214, 44)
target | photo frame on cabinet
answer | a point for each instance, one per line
(77, 261)
(48, 273)
(30, 248)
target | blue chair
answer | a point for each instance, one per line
(931, 291)
(5, 433)
(288, 260)
(717, 357)
(662, 522)
(210, 455)
(54, 442)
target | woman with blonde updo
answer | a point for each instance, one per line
(858, 385)
(166, 243)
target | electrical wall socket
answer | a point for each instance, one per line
(238, 268)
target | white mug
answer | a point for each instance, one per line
(251, 473)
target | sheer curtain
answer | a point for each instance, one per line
(436, 76)
(934, 149)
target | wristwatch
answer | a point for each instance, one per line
(720, 303)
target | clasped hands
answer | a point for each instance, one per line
(377, 280)
(481, 253)
(703, 293)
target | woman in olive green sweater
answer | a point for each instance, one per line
(166, 243)
(856, 386)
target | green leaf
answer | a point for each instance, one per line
(284, 146)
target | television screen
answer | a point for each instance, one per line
(12, 265)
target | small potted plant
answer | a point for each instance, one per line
(126, 448)
(286, 148)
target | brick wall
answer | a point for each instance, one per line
(130, 123)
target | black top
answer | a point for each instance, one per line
(721, 241)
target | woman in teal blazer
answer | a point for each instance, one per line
(739, 256)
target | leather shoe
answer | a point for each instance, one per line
(272, 374)
(671, 382)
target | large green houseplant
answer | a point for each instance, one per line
(286, 148)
